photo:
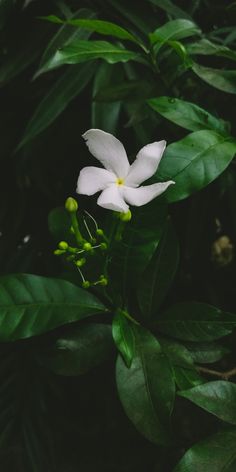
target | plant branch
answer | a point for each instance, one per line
(223, 375)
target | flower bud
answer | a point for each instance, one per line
(103, 246)
(59, 252)
(87, 247)
(80, 262)
(99, 232)
(103, 280)
(86, 284)
(63, 245)
(125, 216)
(71, 205)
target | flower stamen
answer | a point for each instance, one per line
(120, 181)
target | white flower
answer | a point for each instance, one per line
(119, 181)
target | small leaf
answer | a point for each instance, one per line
(207, 48)
(216, 454)
(187, 114)
(206, 353)
(32, 305)
(175, 29)
(194, 162)
(146, 389)
(186, 377)
(218, 398)
(221, 79)
(123, 336)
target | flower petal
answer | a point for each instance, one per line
(108, 150)
(142, 195)
(93, 179)
(146, 163)
(111, 198)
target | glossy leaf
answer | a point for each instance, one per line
(206, 353)
(186, 377)
(31, 305)
(221, 79)
(83, 51)
(195, 161)
(146, 389)
(79, 350)
(176, 352)
(207, 48)
(98, 26)
(159, 274)
(192, 321)
(123, 336)
(218, 398)
(216, 454)
(67, 87)
(187, 114)
(175, 29)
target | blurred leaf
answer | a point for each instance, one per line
(31, 305)
(79, 350)
(192, 321)
(98, 26)
(216, 453)
(133, 90)
(169, 7)
(146, 389)
(123, 336)
(136, 13)
(175, 29)
(159, 274)
(5, 9)
(218, 398)
(221, 79)
(59, 223)
(206, 353)
(207, 48)
(67, 87)
(82, 51)
(195, 162)
(186, 377)
(187, 114)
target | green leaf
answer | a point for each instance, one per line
(175, 29)
(178, 354)
(207, 48)
(31, 305)
(187, 114)
(186, 377)
(123, 336)
(98, 26)
(82, 51)
(159, 274)
(192, 321)
(169, 7)
(59, 223)
(69, 85)
(146, 389)
(218, 398)
(216, 454)
(79, 350)
(206, 353)
(221, 79)
(195, 162)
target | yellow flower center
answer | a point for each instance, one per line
(120, 181)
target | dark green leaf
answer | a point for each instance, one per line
(218, 398)
(192, 321)
(146, 389)
(69, 85)
(59, 223)
(194, 162)
(159, 274)
(31, 305)
(186, 377)
(81, 349)
(187, 114)
(123, 336)
(207, 48)
(83, 51)
(169, 7)
(206, 353)
(177, 353)
(216, 454)
(175, 29)
(221, 79)
(98, 26)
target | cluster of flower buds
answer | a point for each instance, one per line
(86, 246)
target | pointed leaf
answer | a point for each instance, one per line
(175, 29)
(221, 79)
(207, 48)
(123, 336)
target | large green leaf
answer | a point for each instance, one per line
(146, 389)
(83, 51)
(79, 350)
(187, 114)
(221, 79)
(169, 7)
(192, 321)
(31, 305)
(186, 377)
(123, 336)
(195, 161)
(206, 353)
(218, 398)
(216, 454)
(98, 26)
(65, 89)
(159, 274)
(207, 48)
(173, 30)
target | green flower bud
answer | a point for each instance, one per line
(100, 232)
(103, 281)
(126, 216)
(70, 258)
(59, 252)
(80, 262)
(103, 246)
(86, 284)
(71, 205)
(87, 247)
(63, 245)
